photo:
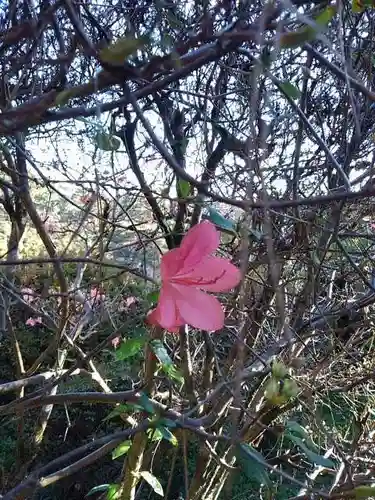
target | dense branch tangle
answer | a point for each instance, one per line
(266, 134)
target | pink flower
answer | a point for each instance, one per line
(185, 272)
(50, 227)
(128, 303)
(96, 295)
(28, 294)
(34, 321)
(85, 199)
(116, 342)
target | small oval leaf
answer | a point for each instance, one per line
(113, 492)
(146, 404)
(252, 464)
(161, 352)
(106, 142)
(166, 433)
(98, 489)
(308, 33)
(153, 482)
(220, 221)
(313, 457)
(290, 90)
(121, 49)
(129, 348)
(166, 363)
(121, 449)
(183, 188)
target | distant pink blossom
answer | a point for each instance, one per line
(185, 272)
(28, 294)
(34, 321)
(85, 199)
(116, 342)
(96, 295)
(128, 303)
(50, 226)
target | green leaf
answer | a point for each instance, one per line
(251, 462)
(153, 297)
(215, 217)
(155, 434)
(153, 482)
(308, 33)
(290, 90)
(296, 39)
(173, 373)
(129, 348)
(146, 404)
(158, 433)
(113, 492)
(326, 16)
(160, 352)
(98, 489)
(166, 363)
(121, 49)
(121, 449)
(106, 142)
(319, 459)
(364, 492)
(166, 434)
(183, 188)
(296, 428)
(121, 409)
(357, 6)
(314, 458)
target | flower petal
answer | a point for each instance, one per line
(171, 262)
(166, 313)
(213, 274)
(198, 309)
(199, 242)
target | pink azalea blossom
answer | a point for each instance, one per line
(34, 321)
(50, 227)
(96, 295)
(131, 301)
(28, 294)
(128, 303)
(116, 342)
(85, 199)
(185, 272)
